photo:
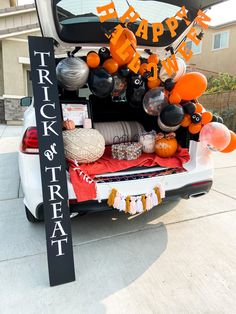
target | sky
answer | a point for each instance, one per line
(220, 14)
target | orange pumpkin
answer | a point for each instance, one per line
(68, 124)
(166, 147)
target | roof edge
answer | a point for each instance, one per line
(226, 24)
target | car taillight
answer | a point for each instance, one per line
(30, 143)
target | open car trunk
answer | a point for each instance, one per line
(106, 110)
(76, 23)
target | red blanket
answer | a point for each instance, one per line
(82, 176)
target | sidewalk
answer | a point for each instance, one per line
(179, 258)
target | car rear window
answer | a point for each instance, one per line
(78, 21)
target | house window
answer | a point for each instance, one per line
(195, 49)
(221, 40)
(29, 83)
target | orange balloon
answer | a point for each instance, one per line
(153, 58)
(206, 117)
(186, 121)
(199, 108)
(191, 85)
(232, 145)
(130, 50)
(93, 60)
(143, 68)
(111, 66)
(174, 98)
(153, 84)
(195, 128)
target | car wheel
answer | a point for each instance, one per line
(29, 216)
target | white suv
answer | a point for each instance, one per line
(74, 23)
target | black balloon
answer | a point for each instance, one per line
(169, 84)
(196, 118)
(189, 107)
(220, 120)
(146, 75)
(104, 54)
(135, 96)
(124, 71)
(172, 115)
(136, 81)
(100, 82)
(214, 118)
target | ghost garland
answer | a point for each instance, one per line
(135, 204)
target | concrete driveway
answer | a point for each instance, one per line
(178, 258)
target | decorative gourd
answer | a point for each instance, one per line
(166, 146)
(68, 124)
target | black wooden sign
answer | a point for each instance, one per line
(52, 161)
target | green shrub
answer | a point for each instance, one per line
(223, 83)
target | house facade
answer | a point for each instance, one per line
(16, 24)
(217, 51)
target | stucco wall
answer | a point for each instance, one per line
(4, 4)
(14, 78)
(1, 73)
(222, 60)
(13, 74)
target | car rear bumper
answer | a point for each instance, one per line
(196, 181)
(188, 191)
(194, 190)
